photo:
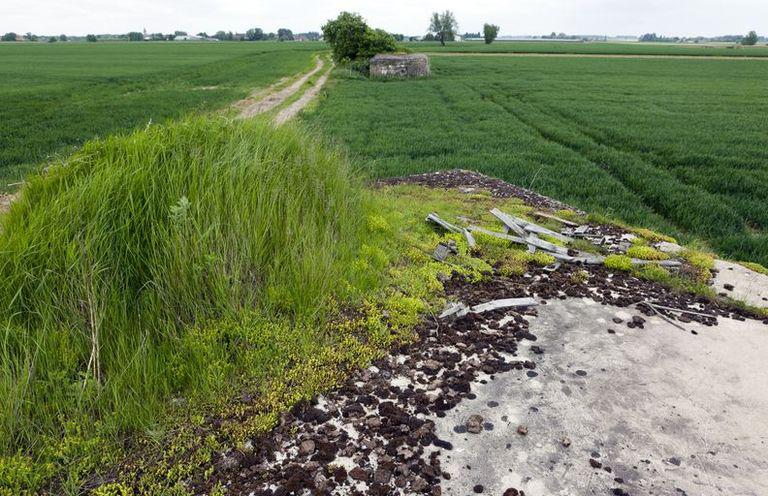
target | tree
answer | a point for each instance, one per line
(9, 37)
(490, 32)
(91, 38)
(345, 34)
(750, 39)
(52, 39)
(254, 34)
(30, 37)
(352, 40)
(444, 26)
(179, 33)
(284, 34)
(203, 34)
(63, 37)
(428, 37)
(135, 36)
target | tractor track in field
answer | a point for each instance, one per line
(269, 99)
(593, 55)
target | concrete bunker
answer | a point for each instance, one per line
(408, 65)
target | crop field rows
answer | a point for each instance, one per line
(56, 97)
(677, 145)
(595, 48)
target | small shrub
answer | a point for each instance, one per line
(646, 253)
(618, 262)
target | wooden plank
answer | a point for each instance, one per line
(513, 239)
(434, 218)
(555, 218)
(508, 221)
(517, 222)
(505, 303)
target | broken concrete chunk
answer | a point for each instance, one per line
(581, 230)
(666, 247)
(520, 226)
(445, 250)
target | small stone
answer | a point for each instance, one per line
(617, 320)
(728, 287)
(611, 331)
(431, 366)
(474, 424)
(359, 474)
(594, 463)
(581, 373)
(522, 430)
(419, 484)
(382, 475)
(565, 441)
(478, 488)
(307, 447)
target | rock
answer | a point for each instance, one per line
(382, 475)
(478, 488)
(522, 430)
(419, 484)
(359, 474)
(565, 441)
(728, 287)
(474, 424)
(513, 492)
(307, 447)
(431, 367)
(667, 247)
(594, 463)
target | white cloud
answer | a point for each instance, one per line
(671, 17)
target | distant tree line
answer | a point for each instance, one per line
(254, 34)
(750, 39)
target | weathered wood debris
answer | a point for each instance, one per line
(521, 231)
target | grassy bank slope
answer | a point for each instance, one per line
(55, 96)
(676, 145)
(161, 264)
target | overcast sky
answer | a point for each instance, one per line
(516, 17)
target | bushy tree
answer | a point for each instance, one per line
(202, 34)
(254, 34)
(444, 26)
(284, 34)
(52, 39)
(9, 37)
(30, 37)
(490, 32)
(351, 39)
(428, 37)
(135, 36)
(750, 39)
(63, 37)
(179, 33)
(91, 38)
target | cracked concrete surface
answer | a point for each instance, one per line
(745, 285)
(669, 412)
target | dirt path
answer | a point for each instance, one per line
(255, 106)
(591, 55)
(290, 111)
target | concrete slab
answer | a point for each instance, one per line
(668, 411)
(741, 283)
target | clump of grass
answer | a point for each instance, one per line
(646, 253)
(652, 236)
(118, 263)
(618, 262)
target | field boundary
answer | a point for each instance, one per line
(294, 108)
(592, 55)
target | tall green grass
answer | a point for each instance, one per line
(112, 256)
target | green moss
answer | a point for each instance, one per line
(618, 262)
(646, 253)
(580, 277)
(653, 272)
(652, 236)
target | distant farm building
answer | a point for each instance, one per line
(387, 65)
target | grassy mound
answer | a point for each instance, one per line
(110, 257)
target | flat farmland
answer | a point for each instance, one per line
(56, 96)
(678, 145)
(596, 48)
